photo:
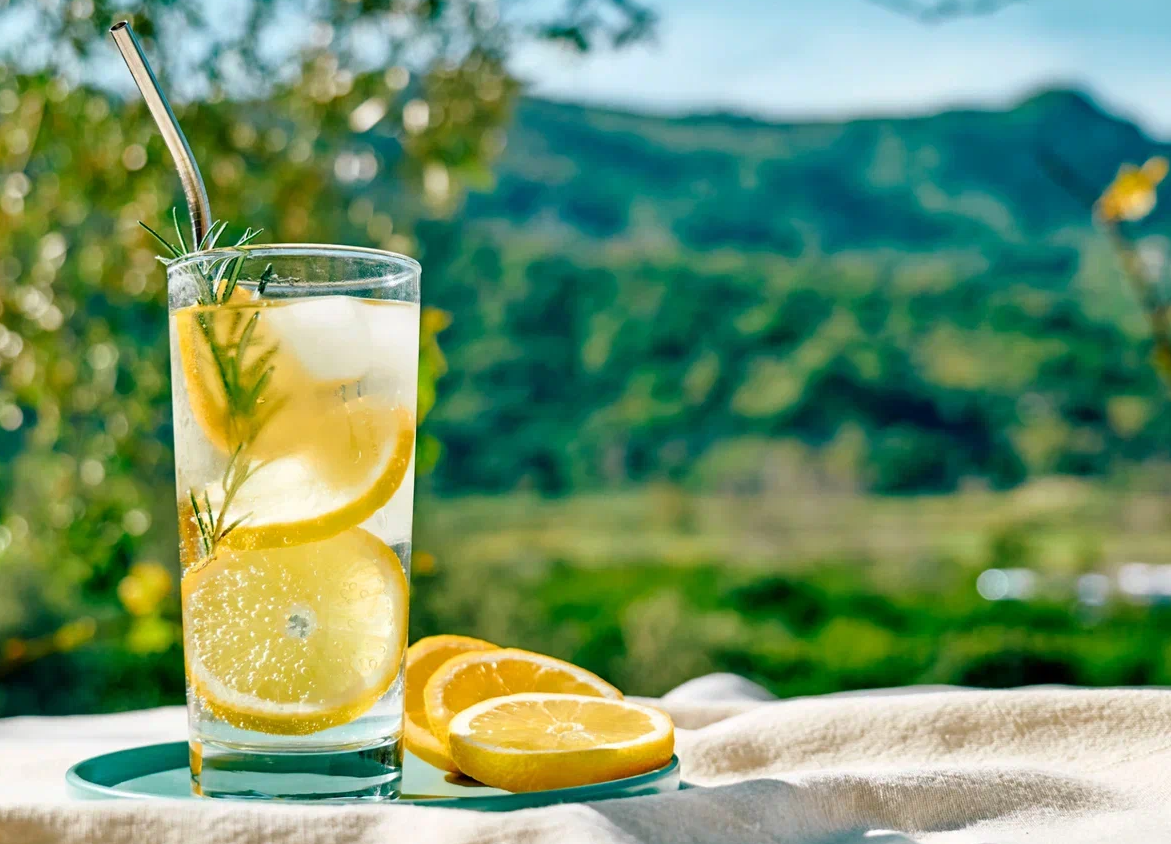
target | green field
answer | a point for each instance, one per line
(805, 594)
(1067, 526)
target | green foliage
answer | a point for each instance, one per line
(916, 302)
(289, 140)
(826, 628)
(654, 586)
(85, 483)
(713, 304)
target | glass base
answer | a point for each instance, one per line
(347, 774)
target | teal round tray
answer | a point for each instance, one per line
(159, 771)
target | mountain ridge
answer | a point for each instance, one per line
(592, 165)
(1042, 94)
(916, 299)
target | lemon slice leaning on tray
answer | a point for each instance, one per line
(295, 640)
(423, 659)
(467, 679)
(533, 742)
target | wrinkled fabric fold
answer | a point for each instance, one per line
(907, 765)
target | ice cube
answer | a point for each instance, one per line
(393, 331)
(329, 335)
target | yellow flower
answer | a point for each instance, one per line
(144, 588)
(1131, 196)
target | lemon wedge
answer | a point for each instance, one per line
(534, 741)
(472, 677)
(294, 640)
(423, 659)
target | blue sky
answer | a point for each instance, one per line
(833, 58)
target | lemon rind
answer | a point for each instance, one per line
(239, 710)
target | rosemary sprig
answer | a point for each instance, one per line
(248, 407)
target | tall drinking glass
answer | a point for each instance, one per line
(294, 380)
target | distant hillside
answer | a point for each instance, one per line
(726, 181)
(892, 304)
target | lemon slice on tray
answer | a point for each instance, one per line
(423, 659)
(465, 680)
(291, 641)
(534, 741)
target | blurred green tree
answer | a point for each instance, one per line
(297, 92)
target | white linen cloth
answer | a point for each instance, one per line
(980, 767)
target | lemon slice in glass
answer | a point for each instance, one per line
(534, 741)
(314, 350)
(362, 459)
(295, 640)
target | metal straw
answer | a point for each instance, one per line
(197, 204)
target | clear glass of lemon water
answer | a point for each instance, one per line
(294, 382)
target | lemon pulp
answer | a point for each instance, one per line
(534, 741)
(473, 677)
(292, 499)
(315, 350)
(298, 639)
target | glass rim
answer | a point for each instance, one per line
(308, 250)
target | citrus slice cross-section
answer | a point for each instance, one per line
(423, 659)
(472, 677)
(531, 742)
(293, 499)
(295, 640)
(308, 403)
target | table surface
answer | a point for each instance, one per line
(48, 747)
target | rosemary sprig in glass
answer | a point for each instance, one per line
(245, 386)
